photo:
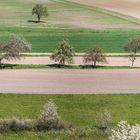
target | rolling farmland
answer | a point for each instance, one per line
(82, 35)
(91, 99)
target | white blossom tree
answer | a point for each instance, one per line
(12, 49)
(49, 118)
(124, 131)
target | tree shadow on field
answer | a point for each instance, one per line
(104, 67)
(7, 66)
(73, 66)
(88, 66)
(35, 21)
(59, 66)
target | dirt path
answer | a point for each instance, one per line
(112, 61)
(70, 81)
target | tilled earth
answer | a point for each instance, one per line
(70, 81)
(127, 7)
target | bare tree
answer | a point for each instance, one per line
(11, 49)
(39, 11)
(132, 46)
(64, 53)
(95, 55)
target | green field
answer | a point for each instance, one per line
(46, 40)
(77, 109)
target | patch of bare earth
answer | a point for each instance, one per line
(70, 81)
(128, 7)
(85, 19)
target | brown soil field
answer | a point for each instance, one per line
(70, 81)
(128, 7)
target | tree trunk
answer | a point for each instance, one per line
(38, 19)
(62, 62)
(94, 63)
(0, 61)
(132, 63)
(132, 58)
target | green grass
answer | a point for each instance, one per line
(63, 135)
(56, 66)
(77, 109)
(46, 40)
(67, 135)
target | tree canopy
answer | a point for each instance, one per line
(11, 49)
(64, 53)
(39, 10)
(94, 55)
(132, 46)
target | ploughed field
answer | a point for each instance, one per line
(73, 81)
(128, 7)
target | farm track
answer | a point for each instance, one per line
(70, 81)
(78, 60)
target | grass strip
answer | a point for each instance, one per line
(56, 66)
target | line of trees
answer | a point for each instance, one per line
(12, 48)
(65, 53)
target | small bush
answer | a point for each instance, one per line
(103, 120)
(49, 118)
(15, 124)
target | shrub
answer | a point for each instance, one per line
(49, 118)
(102, 120)
(125, 132)
(15, 124)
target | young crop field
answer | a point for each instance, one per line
(80, 110)
(46, 40)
